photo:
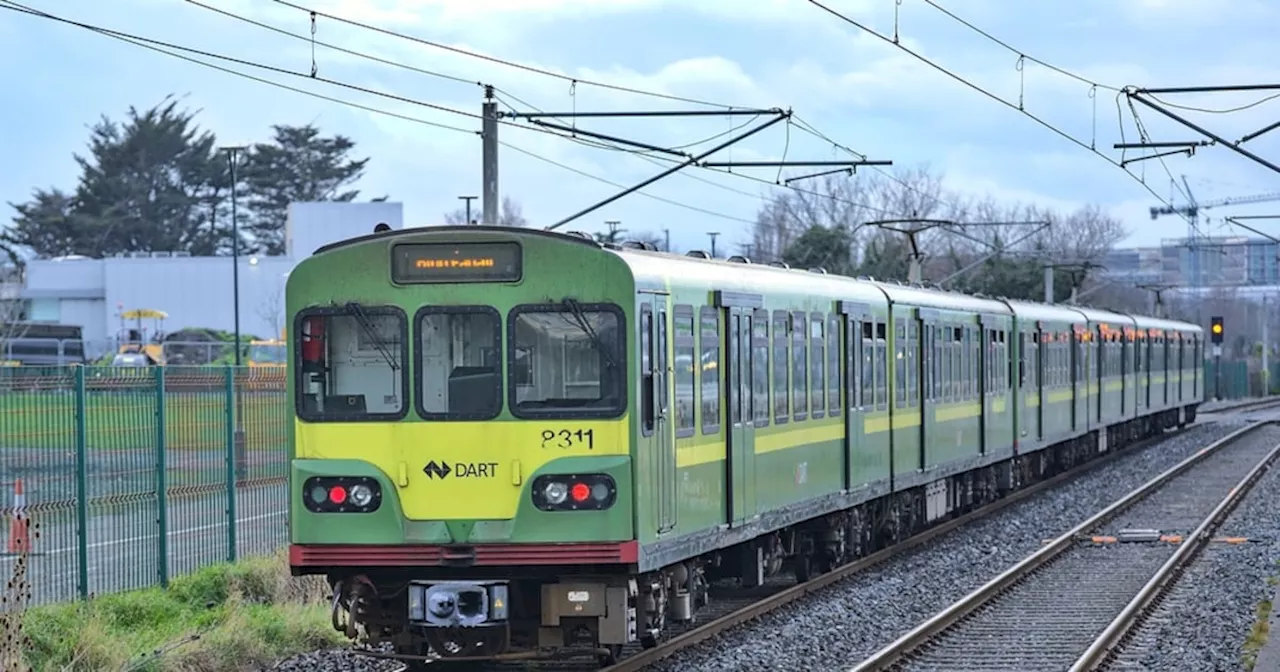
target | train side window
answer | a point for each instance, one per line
(781, 365)
(913, 363)
(882, 365)
(933, 342)
(834, 342)
(646, 370)
(956, 377)
(1033, 372)
(817, 365)
(799, 368)
(966, 354)
(353, 364)
(686, 370)
(760, 368)
(899, 363)
(710, 366)
(867, 366)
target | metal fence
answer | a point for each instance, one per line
(133, 475)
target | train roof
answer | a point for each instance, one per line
(1097, 315)
(917, 295)
(1144, 322)
(762, 278)
(1031, 310)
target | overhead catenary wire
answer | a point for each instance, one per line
(1014, 106)
(509, 63)
(328, 45)
(1019, 52)
(14, 6)
(110, 32)
(805, 126)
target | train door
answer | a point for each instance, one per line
(1029, 352)
(740, 455)
(853, 340)
(985, 357)
(1142, 367)
(656, 382)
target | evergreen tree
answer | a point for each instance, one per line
(151, 183)
(298, 165)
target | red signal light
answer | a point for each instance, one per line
(580, 492)
(337, 494)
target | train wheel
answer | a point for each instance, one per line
(803, 567)
(610, 658)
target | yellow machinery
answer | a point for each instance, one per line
(270, 352)
(134, 340)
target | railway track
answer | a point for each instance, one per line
(732, 610)
(1265, 403)
(1070, 605)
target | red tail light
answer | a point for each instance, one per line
(580, 492)
(337, 494)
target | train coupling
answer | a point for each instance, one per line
(458, 604)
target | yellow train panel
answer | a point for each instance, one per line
(461, 470)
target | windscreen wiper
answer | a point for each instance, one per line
(357, 311)
(580, 321)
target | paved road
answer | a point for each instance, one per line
(124, 541)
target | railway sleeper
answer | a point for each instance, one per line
(559, 612)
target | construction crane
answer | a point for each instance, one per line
(1192, 212)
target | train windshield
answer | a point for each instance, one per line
(352, 363)
(566, 361)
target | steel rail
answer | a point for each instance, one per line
(667, 648)
(1115, 633)
(967, 605)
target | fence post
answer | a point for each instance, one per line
(82, 483)
(230, 404)
(162, 482)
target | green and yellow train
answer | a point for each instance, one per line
(514, 443)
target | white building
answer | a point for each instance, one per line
(195, 292)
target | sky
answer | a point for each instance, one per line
(857, 90)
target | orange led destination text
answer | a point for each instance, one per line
(486, 262)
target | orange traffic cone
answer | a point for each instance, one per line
(19, 532)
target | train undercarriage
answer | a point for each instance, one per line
(497, 613)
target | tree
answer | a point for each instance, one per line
(510, 215)
(151, 183)
(297, 165)
(271, 310)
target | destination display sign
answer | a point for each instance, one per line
(424, 263)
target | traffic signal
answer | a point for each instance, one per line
(1215, 330)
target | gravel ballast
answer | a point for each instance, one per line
(1204, 622)
(837, 627)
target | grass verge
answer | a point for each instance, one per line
(1261, 630)
(241, 616)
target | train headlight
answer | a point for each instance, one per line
(341, 494)
(361, 495)
(574, 492)
(555, 492)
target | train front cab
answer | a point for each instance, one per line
(462, 451)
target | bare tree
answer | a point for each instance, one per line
(271, 310)
(510, 214)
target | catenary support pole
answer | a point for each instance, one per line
(489, 152)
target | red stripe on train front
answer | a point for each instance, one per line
(625, 552)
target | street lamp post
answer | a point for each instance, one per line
(468, 199)
(240, 452)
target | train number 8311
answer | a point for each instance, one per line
(569, 438)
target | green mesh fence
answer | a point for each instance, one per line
(133, 475)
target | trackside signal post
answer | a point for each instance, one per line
(1215, 337)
